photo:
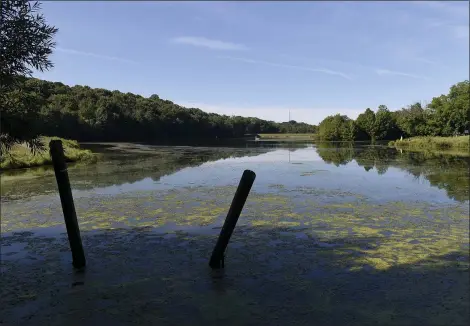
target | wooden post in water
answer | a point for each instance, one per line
(66, 199)
(244, 187)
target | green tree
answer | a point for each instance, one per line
(366, 121)
(26, 43)
(349, 130)
(337, 128)
(459, 102)
(412, 121)
(383, 122)
(449, 114)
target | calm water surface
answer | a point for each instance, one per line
(376, 172)
(346, 234)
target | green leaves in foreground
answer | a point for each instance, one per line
(26, 43)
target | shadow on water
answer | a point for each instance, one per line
(273, 276)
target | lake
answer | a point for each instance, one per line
(330, 234)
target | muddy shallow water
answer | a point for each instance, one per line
(330, 234)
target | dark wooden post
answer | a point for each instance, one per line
(244, 187)
(66, 199)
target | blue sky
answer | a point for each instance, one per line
(264, 58)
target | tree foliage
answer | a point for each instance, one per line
(446, 115)
(336, 128)
(95, 114)
(412, 121)
(31, 107)
(295, 127)
(449, 114)
(366, 121)
(26, 41)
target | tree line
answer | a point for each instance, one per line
(96, 114)
(31, 107)
(446, 115)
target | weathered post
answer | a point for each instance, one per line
(244, 187)
(66, 199)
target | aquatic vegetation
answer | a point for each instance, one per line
(301, 253)
(278, 186)
(271, 268)
(442, 143)
(309, 173)
(404, 233)
(288, 137)
(118, 164)
(21, 157)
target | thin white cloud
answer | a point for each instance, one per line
(340, 62)
(430, 62)
(210, 44)
(424, 60)
(95, 55)
(407, 50)
(279, 114)
(382, 72)
(281, 65)
(359, 65)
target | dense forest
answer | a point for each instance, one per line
(31, 107)
(95, 114)
(446, 115)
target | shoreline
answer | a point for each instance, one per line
(459, 143)
(21, 157)
(287, 137)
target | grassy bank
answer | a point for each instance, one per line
(20, 156)
(287, 136)
(459, 143)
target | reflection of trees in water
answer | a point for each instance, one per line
(443, 171)
(132, 168)
(119, 167)
(365, 156)
(335, 153)
(290, 146)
